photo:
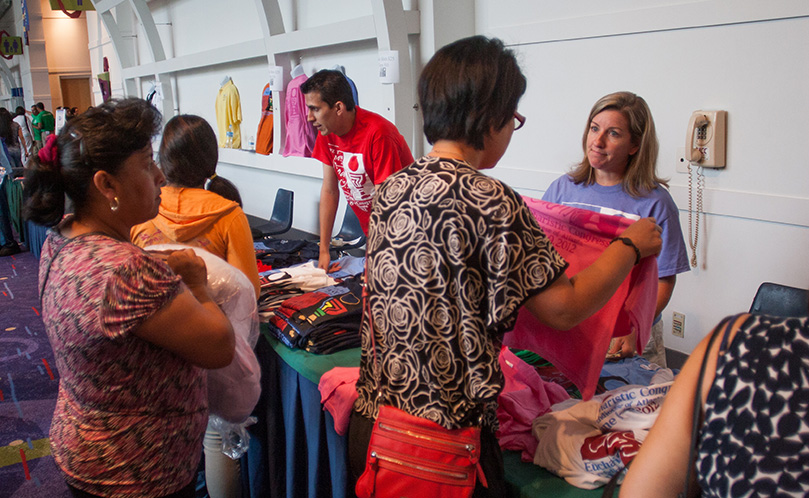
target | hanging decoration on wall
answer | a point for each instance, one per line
(11, 45)
(104, 82)
(265, 124)
(276, 79)
(26, 25)
(229, 115)
(388, 67)
(76, 6)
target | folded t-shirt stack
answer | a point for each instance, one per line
(279, 285)
(321, 322)
(281, 253)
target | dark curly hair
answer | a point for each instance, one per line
(332, 86)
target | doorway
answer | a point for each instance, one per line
(76, 92)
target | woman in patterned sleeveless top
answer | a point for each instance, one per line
(755, 429)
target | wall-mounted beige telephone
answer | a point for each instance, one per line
(705, 141)
(704, 148)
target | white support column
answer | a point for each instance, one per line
(5, 73)
(40, 90)
(124, 47)
(144, 15)
(391, 34)
(272, 23)
(155, 44)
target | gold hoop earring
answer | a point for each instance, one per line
(114, 205)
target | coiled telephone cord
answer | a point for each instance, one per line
(693, 236)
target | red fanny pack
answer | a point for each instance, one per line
(410, 456)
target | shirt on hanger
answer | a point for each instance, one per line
(265, 126)
(229, 113)
(300, 133)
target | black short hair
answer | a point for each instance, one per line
(332, 86)
(468, 88)
(101, 139)
(40, 105)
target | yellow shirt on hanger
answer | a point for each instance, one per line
(229, 113)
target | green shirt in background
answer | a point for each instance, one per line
(35, 120)
(47, 121)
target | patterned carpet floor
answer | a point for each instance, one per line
(28, 386)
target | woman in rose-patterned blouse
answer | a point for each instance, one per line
(453, 254)
(131, 331)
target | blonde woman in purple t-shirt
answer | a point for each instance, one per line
(618, 176)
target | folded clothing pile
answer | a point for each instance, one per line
(323, 321)
(279, 285)
(280, 253)
(589, 442)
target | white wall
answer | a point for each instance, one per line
(56, 50)
(194, 26)
(100, 46)
(32, 69)
(65, 39)
(743, 56)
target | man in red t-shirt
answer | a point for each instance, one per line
(358, 149)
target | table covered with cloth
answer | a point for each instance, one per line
(294, 448)
(296, 452)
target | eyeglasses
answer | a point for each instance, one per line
(519, 120)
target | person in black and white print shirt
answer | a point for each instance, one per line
(452, 254)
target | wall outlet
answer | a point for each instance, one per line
(678, 324)
(682, 162)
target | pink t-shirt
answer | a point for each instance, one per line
(338, 391)
(525, 397)
(130, 416)
(362, 158)
(300, 136)
(580, 236)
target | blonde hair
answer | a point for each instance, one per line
(640, 176)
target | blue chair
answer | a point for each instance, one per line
(351, 235)
(780, 300)
(281, 219)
